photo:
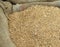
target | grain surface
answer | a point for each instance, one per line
(37, 26)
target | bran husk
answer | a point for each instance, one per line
(37, 26)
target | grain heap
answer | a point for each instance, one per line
(37, 26)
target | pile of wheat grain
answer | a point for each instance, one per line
(37, 26)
